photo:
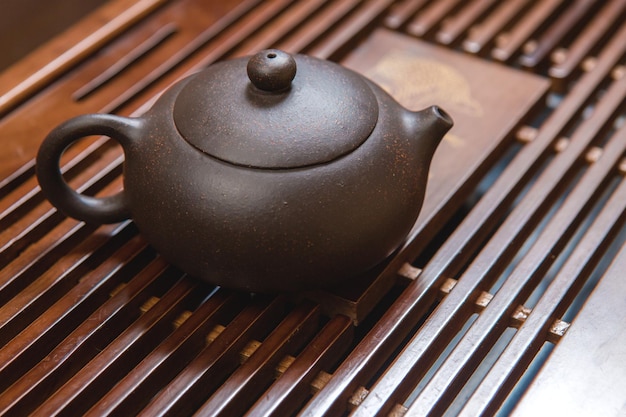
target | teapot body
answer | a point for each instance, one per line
(264, 202)
(268, 230)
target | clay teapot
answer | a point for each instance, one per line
(274, 172)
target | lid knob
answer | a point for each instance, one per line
(271, 70)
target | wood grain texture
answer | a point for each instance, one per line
(523, 217)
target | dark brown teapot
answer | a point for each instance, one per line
(269, 173)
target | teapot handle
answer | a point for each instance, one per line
(111, 209)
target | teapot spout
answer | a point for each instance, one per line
(440, 119)
(429, 126)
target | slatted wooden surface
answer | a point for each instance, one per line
(93, 321)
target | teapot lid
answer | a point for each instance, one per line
(275, 110)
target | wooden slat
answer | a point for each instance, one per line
(309, 31)
(282, 26)
(15, 179)
(131, 58)
(31, 226)
(42, 290)
(241, 388)
(38, 338)
(88, 384)
(40, 256)
(205, 372)
(430, 17)
(530, 337)
(117, 16)
(453, 27)
(400, 13)
(350, 29)
(294, 385)
(253, 25)
(25, 269)
(492, 321)
(21, 192)
(568, 21)
(81, 345)
(588, 39)
(136, 388)
(483, 35)
(508, 45)
(586, 372)
(394, 325)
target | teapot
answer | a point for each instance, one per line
(275, 172)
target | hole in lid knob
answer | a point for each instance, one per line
(271, 56)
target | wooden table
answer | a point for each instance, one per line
(506, 297)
